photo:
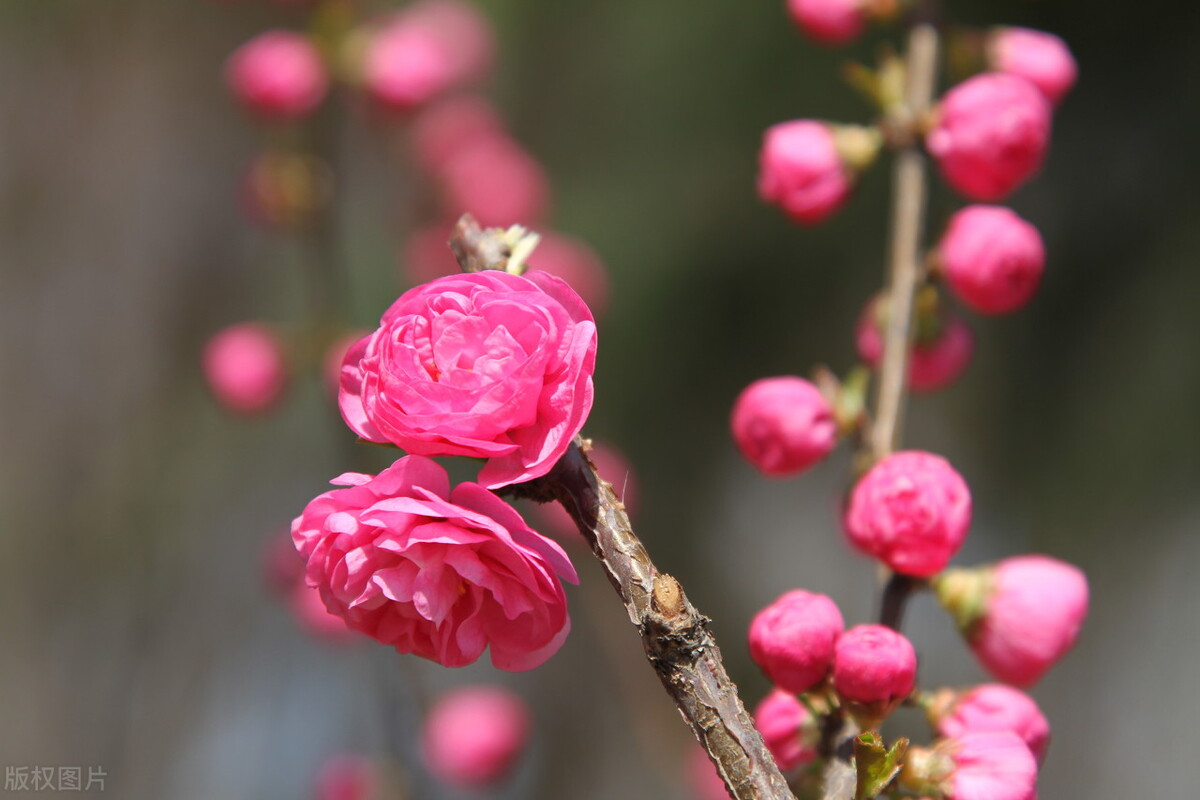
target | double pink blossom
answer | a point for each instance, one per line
(474, 735)
(439, 573)
(911, 511)
(991, 134)
(488, 364)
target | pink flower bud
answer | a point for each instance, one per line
(911, 511)
(444, 128)
(933, 364)
(789, 731)
(278, 76)
(348, 777)
(497, 181)
(783, 425)
(801, 172)
(423, 51)
(829, 21)
(1028, 618)
(245, 368)
(474, 736)
(992, 259)
(980, 765)
(874, 665)
(996, 707)
(792, 640)
(991, 135)
(1041, 58)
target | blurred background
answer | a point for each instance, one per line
(137, 632)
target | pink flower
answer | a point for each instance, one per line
(801, 172)
(996, 707)
(991, 135)
(1031, 618)
(829, 21)
(1041, 58)
(911, 511)
(444, 128)
(437, 573)
(992, 259)
(793, 639)
(278, 76)
(933, 364)
(348, 777)
(978, 765)
(875, 665)
(495, 180)
(488, 365)
(473, 736)
(783, 425)
(245, 368)
(789, 731)
(424, 51)
(991, 765)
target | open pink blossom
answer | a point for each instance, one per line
(488, 364)
(245, 368)
(1041, 58)
(439, 573)
(911, 511)
(474, 736)
(792, 640)
(991, 135)
(789, 731)
(496, 181)
(801, 172)
(278, 76)
(996, 707)
(783, 425)
(932, 364)
(991, 258)
(1031, 617)
(829, 21)
(874, 664)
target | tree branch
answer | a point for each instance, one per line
(674, 634)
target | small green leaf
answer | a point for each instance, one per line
(876, 764)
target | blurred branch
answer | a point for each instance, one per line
(674, 634)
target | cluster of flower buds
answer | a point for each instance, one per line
(911, 510)
(988, 135)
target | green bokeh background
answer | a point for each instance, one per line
(135, 631)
